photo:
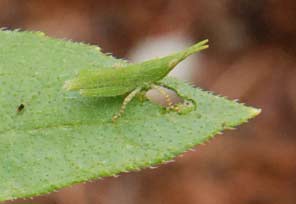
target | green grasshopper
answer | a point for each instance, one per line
(129, 79)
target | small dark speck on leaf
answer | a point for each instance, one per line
(20, 108)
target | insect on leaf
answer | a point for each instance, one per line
(62, 138)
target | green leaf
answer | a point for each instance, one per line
(60, 138)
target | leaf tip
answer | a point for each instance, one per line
(255, 111)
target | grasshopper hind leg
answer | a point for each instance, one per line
(126, 100)
(168, 100)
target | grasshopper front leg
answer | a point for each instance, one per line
(126, 100)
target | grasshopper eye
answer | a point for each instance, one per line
(20, 108)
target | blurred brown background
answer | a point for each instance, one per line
(252, 58)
